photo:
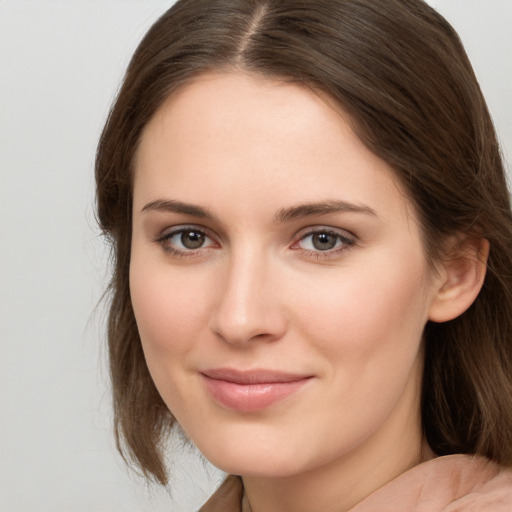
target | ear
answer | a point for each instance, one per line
(461, 276)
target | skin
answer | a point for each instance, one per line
(259, 294)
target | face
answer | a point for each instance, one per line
(278, 279)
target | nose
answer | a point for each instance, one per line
(249, 305)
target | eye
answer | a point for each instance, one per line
(192, 239)
(185, 240)
(324, 240)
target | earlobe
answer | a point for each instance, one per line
(460, 279)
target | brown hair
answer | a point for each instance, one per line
(400, 71)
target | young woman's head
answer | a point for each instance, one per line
(301, 197)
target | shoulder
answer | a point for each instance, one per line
(454, 483)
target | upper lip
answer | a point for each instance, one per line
(256, 376)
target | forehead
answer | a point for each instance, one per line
(242, 138)
(215, 105)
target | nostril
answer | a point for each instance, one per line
(243, 329)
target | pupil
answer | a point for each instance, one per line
(192, 239)
(324, 241)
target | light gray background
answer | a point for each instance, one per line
(60, 65)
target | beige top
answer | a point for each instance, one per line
(455, 483)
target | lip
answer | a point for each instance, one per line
(253, 390)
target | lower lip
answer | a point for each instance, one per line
(251, 397)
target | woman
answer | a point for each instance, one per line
(312, 239)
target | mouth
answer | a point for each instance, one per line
(251, 391)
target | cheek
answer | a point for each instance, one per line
(367, 312)
(171, 318)
(169, 310)
(368, 327)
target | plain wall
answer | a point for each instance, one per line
(60, 65)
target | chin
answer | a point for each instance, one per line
(266, 458)
(257, 466)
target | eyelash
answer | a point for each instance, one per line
(164, 241)
(346, 241)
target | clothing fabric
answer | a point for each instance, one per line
(227, 498)
(454, 483)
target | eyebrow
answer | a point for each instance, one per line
(172, 206)
(284, 215)
(322, 208)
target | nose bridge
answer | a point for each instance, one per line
(248, 307)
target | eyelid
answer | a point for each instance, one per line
(179, 228)
(348, 239)
(319, 228)
(168, 233)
